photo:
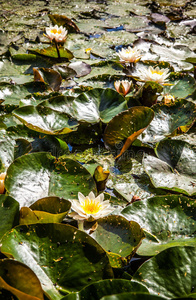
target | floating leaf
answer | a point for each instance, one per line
(182, 85)
(133, 296)
(98, 104)
(51, 52)
(37, 175)
(117, 235)
(49, 76)
(9, 212)
(163, 269)
(62, 257)
(175, 170)
(13, 277)
(45, 120)
(149, 93)
(169, 119)
(170, 219)
(45, 210)
(62, 20)
(101, 288)
(126, 127)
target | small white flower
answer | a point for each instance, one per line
(59, 34)
(90, 208)
(123, 86)
(2, 179)
(153, 74)
(129, 55)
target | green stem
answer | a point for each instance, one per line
(57, 49)
(81, 225)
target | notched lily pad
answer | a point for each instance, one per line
(45, 210)
(175, 170)
(45, 120)
(167, 221)
(117, 235)
(62, 20)
(63, 250)
(49, 76)
(126, 127)
(13, 278)
(169, 120)
(164, 268)
(51, 52)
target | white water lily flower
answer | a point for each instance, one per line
(90, 208)
(153, 74)
(129, 55)
(59, 34)
(123, 86)
(2, 179)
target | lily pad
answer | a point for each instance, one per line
(181, 85)
(13, 277)
(51, 52)
(64, 262)
(101, 288)
(169, 119)
(175, 170)
(45, 120)
(170, 220)
(126, 127)
(38, 175)
(117, 235)
(98, 104)
(160, 272)
(132, 296)
(9, 212)
(45, 210)
(62, 20)
(49, 76)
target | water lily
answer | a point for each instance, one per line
(153, 74)
(129, 55)
(59, 34)
(90, 208)
(123, 86)
(2, 179)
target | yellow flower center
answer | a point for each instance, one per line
(91, 207)
(157, 72)
(55, 31)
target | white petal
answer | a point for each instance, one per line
(81, 197)
(91, 195)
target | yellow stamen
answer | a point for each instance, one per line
(157, 72)
(55, 31)
(91, 207)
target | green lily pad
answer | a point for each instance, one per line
(126, 127)
(169, 119)
(170, 220)
(101, 288)
(98, 104)
(9, 212)
(132, 296)
(45, 210)
(181, 85)
(12, 94)
(175, 170)
(117, 235)
(38, 175)
(13, 277)
(160, 272)
(11, 148)
(51, 52)
(62, 257)
(45, 120)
